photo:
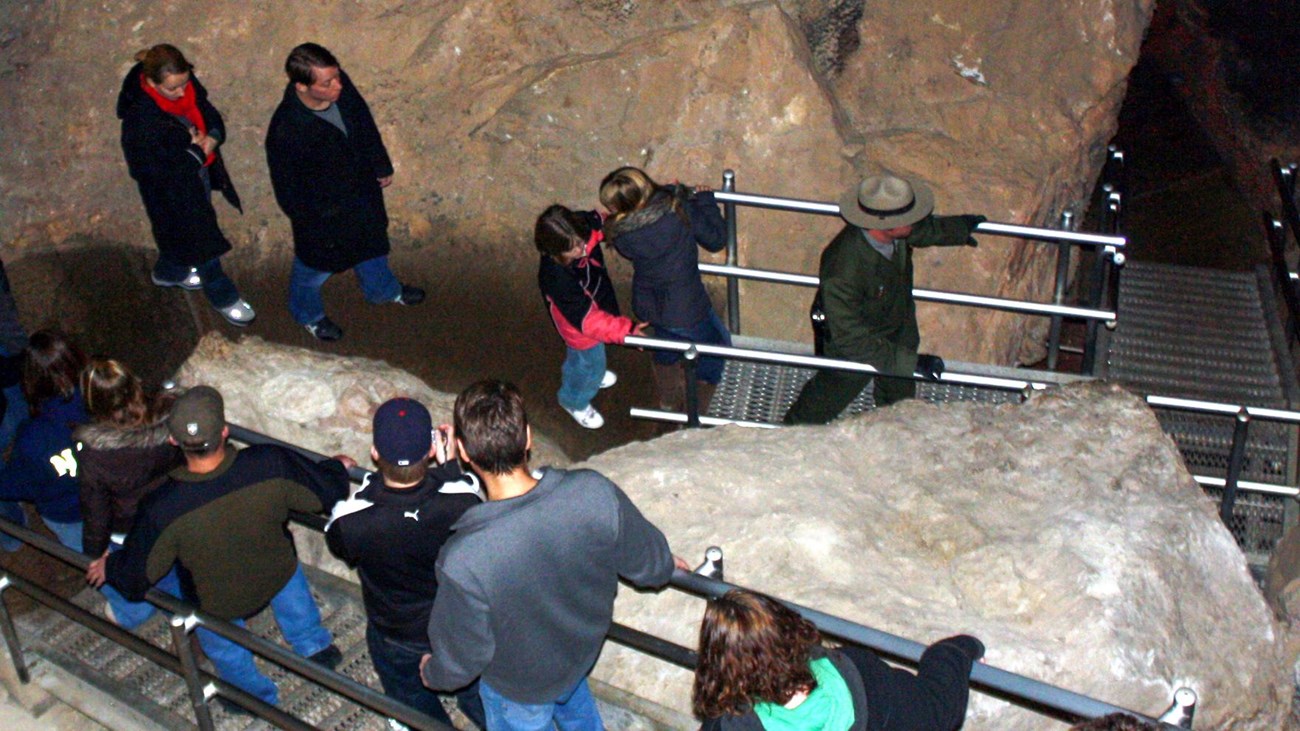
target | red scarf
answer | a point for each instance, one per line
(187, 106)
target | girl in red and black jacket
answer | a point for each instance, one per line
(581, 300)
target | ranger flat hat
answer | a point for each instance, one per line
(883, 201)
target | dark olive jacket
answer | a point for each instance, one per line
(327, 182)
(867, 298)
(167, 168)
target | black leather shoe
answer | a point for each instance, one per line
(325, 329)
(330, 657)
(410, 295)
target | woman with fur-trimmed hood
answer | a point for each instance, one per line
(658, 228)
(123, 454)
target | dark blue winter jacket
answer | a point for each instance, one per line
(43, 467)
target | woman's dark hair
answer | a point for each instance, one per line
(114, 395)
(303, 58)
(162, 61)
(51, 367)
(752, 649)
(1115, 722)
(558, 228)
(492, 425)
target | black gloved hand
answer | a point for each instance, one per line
(971, 221)
(969, 646)
(930, 366)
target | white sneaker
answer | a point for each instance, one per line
(239, 314)
(192, 281)
(588, 418)
(108, 614)
(609, 379)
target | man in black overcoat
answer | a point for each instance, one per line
(329, 168)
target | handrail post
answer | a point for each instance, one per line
(690, 360)
(1182, 709)
(1282, 275)
(11, 635)
(1058, 294)
(1236, 461)
(182, 641)
(1102, 270)
(733, 253)
(711, 568)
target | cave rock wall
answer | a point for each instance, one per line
(492, 109)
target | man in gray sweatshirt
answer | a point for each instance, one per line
(528, 579)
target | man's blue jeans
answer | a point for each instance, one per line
(575, 710)
(299, 619)
(397, 664)
(378, 285)
(217, 285)
(69, 534)
(129, 614)
(580, 377)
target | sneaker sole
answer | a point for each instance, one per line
(178, 285)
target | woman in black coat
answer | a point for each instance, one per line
(660, 229)
(762, 666)
(170, 136)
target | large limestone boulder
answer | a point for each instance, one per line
(1065, 532)
(493, 109)
(322, 402)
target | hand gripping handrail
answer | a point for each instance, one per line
(799, 205)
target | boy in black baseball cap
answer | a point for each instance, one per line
(391, 532)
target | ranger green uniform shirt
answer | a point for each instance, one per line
(867, 298)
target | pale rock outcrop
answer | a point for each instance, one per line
(493, 109)
(1065, 532)
(322, 402)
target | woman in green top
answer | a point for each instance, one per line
(762, 667)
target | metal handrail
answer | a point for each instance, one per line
(1062, 703)
(1034, 694)
(1005, 684)
(1108, 259)
(191, 617)
(799, 205)
(920, 294)
(1284, 179)
(1224, 409)
(813, 361)
(1231, 484)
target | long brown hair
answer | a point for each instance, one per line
(51, 366)
(629, 189)
(114, 395)
(752, 649)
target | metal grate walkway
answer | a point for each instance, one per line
(1212, 335)
(763, 393)
(158, 699)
